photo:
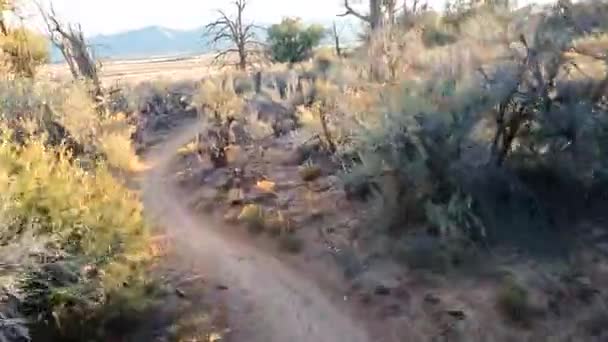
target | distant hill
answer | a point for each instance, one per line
(151, 41)
(158, 41)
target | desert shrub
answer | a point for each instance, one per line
(449, 148)
(218, 99)
(322, 114)
(323, 60)
(242, 84)
(310, 172)
(253, 217)
(65, 114)
(95, 238)
(418, 146)
(116, 144)
(291, 42)
(513, 303)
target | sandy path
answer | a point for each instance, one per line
(267, 300)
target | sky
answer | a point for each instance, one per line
(111, 16)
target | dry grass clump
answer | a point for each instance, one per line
(66, 113)
(309, 173)
(253, 216)
(81, 233)
(218, 99)
(22, 52)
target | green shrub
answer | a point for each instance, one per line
(459, 139)
(291, 42)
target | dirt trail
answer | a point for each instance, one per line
(267, 300)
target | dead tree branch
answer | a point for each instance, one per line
(375, 16)
(69, 39)
(336, 35)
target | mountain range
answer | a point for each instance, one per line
(158, 41)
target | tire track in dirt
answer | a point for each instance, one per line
(267, 300)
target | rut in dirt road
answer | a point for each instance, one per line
(267, 300)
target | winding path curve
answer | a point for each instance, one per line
(267, 300)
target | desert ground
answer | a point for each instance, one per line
(138, 70)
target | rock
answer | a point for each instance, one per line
(585, 290)
(218, 178)
(180, 293)
(295, 157)
(602, 247)
(259, 196)
(237, 133)
(13, 329)
(359, 191)
(431, 299)
(283, 127)
(320, 185)
(285, 200)
(232, 215)
(236, 197)
(265, 186)
(456, 314)
(234, 154)
(90, 271)
(598, 233)
(382, 290)
(222, 287)
(365, 298)
(60, 273)
(207, 194)
(391, 310)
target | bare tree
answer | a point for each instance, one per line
(5, 6)
(375, 16)
(234, 32)
(69, 39)
(414, 6)
(390, 7)
(336, 36)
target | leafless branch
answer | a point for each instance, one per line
(240, 36)
(69, 39)
(351, 11)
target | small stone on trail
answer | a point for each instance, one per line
(382, 290)
(180, 293)
(432, 299)
(236, 196)
(457, 314)
(265, 186)
(391, 310)
(232, 215)
(365, 298)
(602, 247)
